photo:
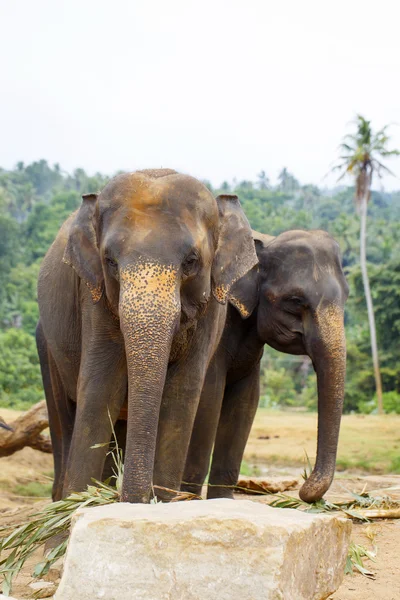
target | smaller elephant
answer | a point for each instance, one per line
(301, 295)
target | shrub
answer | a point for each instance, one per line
(391, 404)
(20, 378)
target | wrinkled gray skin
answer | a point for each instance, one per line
(302, 291)
(132, 298)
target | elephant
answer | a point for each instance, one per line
(133, 296)
(301, 295)
(4, 425)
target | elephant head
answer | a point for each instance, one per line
(302, 292)
(154, 246)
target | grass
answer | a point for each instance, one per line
(33, 489)
(395, 466)
(249, 470)
(368, 443)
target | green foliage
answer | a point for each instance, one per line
(34, 201)
(309, 393)
(391, 404)
(44, 222)
(20, 380)
(34, 489)
(395, 467)
(9, 249)
(249, 470)
(279, 389)
(20, 302)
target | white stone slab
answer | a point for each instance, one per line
(203, 550)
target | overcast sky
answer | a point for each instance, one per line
(215, 88)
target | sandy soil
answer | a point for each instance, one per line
(386, 585)
(29, 465)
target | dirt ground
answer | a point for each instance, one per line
(386, 585)
(17, 472)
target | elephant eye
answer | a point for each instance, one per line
(111, 262)
(190, 264)
(294, 303)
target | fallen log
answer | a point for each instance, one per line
(26, 431)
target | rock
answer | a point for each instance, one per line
(43, 589)
(198, 550)
(53, 575)
(2, 597)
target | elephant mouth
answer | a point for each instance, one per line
(123, 413)
(292, 342)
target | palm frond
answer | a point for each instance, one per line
(388, 153)
(307, 468)
(360, 152)
(53, 520)
(379, 167)
(346, 147)
(355, 560)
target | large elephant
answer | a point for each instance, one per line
(136, 319)
(302, 291)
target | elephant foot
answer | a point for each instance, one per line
(219, 491)
(164, 494)
(192, 488)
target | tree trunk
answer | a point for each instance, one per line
(368, 298)
(26, 431)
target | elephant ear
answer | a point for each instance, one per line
(261, 240)
(235, 257)
(81, 252)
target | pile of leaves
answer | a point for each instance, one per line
(362, 507)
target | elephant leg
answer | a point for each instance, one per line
(204, 429)
(60, 419)
(101, 391)
(239, 407)
(182, 391)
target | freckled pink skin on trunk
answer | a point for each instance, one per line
(330, 365)
(149, 313)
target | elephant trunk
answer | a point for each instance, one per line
(149, 314)
(329, 358)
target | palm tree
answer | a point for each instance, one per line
(361, 155)
(287, 182)
(263, 181)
